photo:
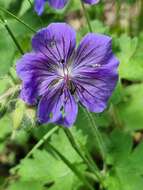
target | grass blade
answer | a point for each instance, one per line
(18, 19)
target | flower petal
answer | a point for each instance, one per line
(57, 4)
(29, 93)
(37, 73)
(93, 51)
(95, 71)
(49, 108)
(53, 107)
(91, 2)
(57, 41)
(70, 109)
(39, 6)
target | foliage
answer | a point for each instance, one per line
(120, 125)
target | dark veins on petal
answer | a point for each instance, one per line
(59, 76)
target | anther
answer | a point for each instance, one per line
(96, 65)
(62, 61)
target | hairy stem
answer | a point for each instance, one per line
(72, 167)
(18, 19)
(45, 137)
(40, 142)
(86, 15)
(88, 162)
(97, 134)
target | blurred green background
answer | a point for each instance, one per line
(121, 124)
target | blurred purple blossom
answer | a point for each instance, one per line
(57, 4)
(57, 76)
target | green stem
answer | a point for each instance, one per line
(77, 149)
(89, 157)
(72, 167)
(45, 137)
(140, 22)
(86, 15)
(12, 35)
(117, 21)
(42, 141)
(19, 20)
(97, 134)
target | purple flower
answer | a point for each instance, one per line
(57, 4)
(57, 76)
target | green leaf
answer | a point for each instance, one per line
(130, 56)
(71, 154)
(21, 185)
(119, 146)
(97, 27)
(126, 169)
(74, 5)
(5, 3)
(131, 109)
(102, 120)
(45, 167)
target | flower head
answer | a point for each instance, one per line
(57, 4)
(57, 76)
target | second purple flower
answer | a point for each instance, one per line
(57, 4)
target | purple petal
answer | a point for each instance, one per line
(57, 4)
(95, 71)
(70, 109)
(39, 6)
(37, 73)
(57, 41)
(49, 108)
(29, 93)
(93, 50)
(91, 2)
(53, 107)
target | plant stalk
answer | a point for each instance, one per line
(97, 134)
(72, 167)
(88, 162)
(18, 19)
(86, 15)
(12, 35)
(45, 137)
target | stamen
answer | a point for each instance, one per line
(72, 87)
(96, 65)
(62, 61)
